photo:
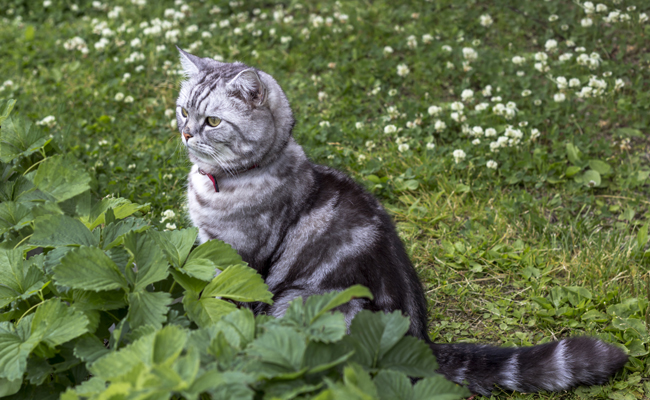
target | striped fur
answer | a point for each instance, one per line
(309, 229)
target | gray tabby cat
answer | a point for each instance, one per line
(309, 229)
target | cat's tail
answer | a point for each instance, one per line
(551, 366)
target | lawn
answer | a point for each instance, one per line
(508, 139)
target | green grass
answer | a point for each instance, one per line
(521, 254)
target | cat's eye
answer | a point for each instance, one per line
(184, 112)
(213, 121)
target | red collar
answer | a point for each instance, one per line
(214, 180)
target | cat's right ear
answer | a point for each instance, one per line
(191, 64)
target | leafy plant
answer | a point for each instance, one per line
(97, 304)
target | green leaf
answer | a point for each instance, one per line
(636, 348)
(148, 258)
(280, 350)
(89, 268)
(122, 362)
(374, 334)
(148, 308)
(20, 138)
(239, 283)
(62, 177)
(89, 348)
(205, 311)
(121, 207)
(591, 178)
(410, 356)
(15, 347)
(9, 387)
(168, 345)
(18, 279)
(113, 234)
(642, 236)
(238, 327)
(176, 244)
(85, 300)
(56, 323)
(438, 388)
(13, 216)
(601, 167)
(321, 356)
(200, 268)
(188, 282)
(359, 382)
(6, 110)
(573, 154)
(572, 170)
(61, 230)
(393, 385)
(313, 315)
(220, 253)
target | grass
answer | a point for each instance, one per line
(547, 245)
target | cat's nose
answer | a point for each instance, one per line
(187, 136)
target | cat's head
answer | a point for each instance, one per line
(231, 117)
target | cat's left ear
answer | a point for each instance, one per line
(191, 64)
(248, 86)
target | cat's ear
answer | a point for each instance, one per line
(248, 86)
(191, 64)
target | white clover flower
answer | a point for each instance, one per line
(467, 95)
(494, 147)
(490, 132)
(526, 93)
(476, 141)
(481, 107)
(559, 97)
(49, 121)
(541, 56)
(537, 102)
(47, 3)
(601, 8)
(561, 82)
(167, 215)
(487, 91)
(469, 54)
(580, 49)
(403, 147)
(459, 155)
(553, 18)
(618, 84)
(534, 134)
(447, 48)
(485, 20)
(173, 124)
(518, 60)
(439, 126)
(431, 146)
(612, 17)
(583, 59)
(565, 57)
(128, 99)
(458, 116)
(388, 50)
(551, 45)
(434, 110)
(477, 131)
(457, 106)
(427, 38)
(586, 91)
(586, 22)
(324, 124)
(119, 96)
(450, 65)
(224, 23)
(361, 158)
(643, 18)
(285, 39)
(588, 7)
(411, 42)
(402, 70)
(169, 113)
(388, 129)
(359, 125)
(322, 96)
(392, 92)
(170, 227)
(492, 164)
(574, 82)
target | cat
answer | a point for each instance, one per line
(310, 229)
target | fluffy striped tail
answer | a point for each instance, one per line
(551, 366)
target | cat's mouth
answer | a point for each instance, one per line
(217, 154)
